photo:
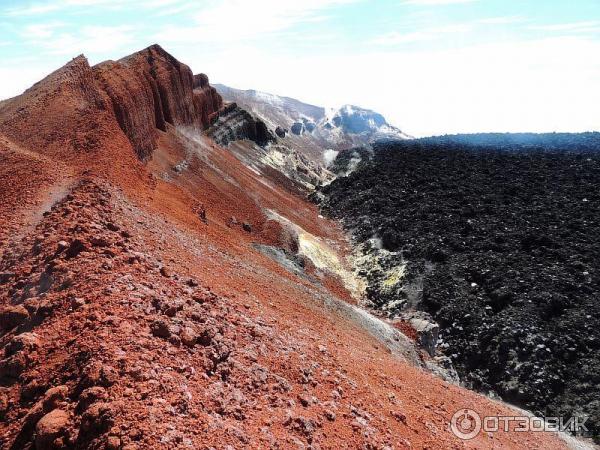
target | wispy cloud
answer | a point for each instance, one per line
(233, 20)
(436, 2)
(582, 26)
(176, 8)
(301, 48)
(41, 30)
(436, 33)
(429, 34)
(36, 9)
(33, 9)
(501, 20)
(87, 39)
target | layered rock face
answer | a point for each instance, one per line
(236, 123)
(143, 92)
(151, 88)
(207, 100)
(136, 104)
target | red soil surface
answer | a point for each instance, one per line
(128, 322)
(407, 329)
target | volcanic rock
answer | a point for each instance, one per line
(188, 337)
(207, 100)
(426, 328)
(281, 132)
(6, 276)
(235, 123)
(22, 342)
(12, 316)
(297, 128)
(51, 427)
(151, 88)
(160, 328)
(501, 257)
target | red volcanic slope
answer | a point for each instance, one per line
(149, 89)
(128, 322)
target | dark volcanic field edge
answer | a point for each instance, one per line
(512, 237)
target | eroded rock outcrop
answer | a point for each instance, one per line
(207, 100)
(151, 88)
(79, 108)
(136, 104)
(236, 123)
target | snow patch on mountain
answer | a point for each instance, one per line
(314, 129)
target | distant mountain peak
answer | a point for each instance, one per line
(322, 128)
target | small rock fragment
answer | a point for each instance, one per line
(22, 342)
(49, 428)
(113, 443)
(6, 276)
(188, 337)
(76, 247)
(112, 226)
(54, 396)
(399, 416)
(160, 328)
(304, 399)
(12, 316)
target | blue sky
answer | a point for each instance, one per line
(430, 66)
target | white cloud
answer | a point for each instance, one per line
(434, 33)
(428, 34)
(436, 2)
(41, 30)
(501, 20)
(161, 3)
(234, 20)
(170, 8)
(36, 9)
(514, 85)
(395, 38)
(585, 26)
(88, 39)
(32, 9)
(17, 75)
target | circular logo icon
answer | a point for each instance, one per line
(465, 424)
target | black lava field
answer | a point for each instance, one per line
(506, 243)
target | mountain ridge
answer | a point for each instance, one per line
(159, 290)
(311, 125)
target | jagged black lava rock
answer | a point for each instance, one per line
(281, 132)
(297, 128)
(506, 242)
